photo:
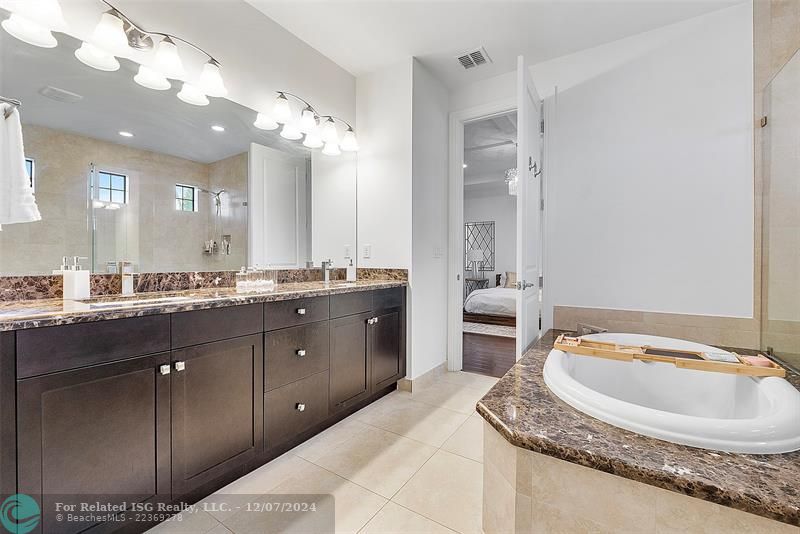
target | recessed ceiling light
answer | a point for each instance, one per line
(125, 134)
(464, 166)
(218, 128)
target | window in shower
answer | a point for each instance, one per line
(112, 187)
(185, 197)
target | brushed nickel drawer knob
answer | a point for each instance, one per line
(301, 311)
(300, 407)
(180, 366)
(164, 369)
(301, 353)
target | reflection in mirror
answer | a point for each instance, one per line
(124, 174)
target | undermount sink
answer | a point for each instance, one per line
(133, 301)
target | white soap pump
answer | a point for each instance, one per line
(76, 279)
(351, 271)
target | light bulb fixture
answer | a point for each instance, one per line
(313, 139)
(218, 128)
(331, 149)
(28, 31)
(211, 80)
(282, 111)
(349, 141)
(265, 122)
(109, 34)
(192, 95)
(151, 79)
(94, 57)
(167, 61)
(329, 133)
(291, 131)
(308, 120)
(123, 133)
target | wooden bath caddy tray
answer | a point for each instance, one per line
(717, 362)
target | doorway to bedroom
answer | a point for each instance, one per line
(490, 244)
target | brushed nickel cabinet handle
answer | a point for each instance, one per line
(164, 369)
(301, 353)
(180, 366)
(301, 311)
(300, 407)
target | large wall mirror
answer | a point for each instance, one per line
(127, 174)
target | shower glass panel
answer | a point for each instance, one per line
(781, 218)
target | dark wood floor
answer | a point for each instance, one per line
(488, 355)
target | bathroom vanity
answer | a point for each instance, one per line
(169, 403)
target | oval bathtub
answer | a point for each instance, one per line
(715, 411)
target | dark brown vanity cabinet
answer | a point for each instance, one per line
(217, 410)
(350, 363)
(101, 431)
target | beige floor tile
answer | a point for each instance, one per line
(376, 459)
(452, 396)
(449, 490)
(194, 521)
(265, 477)
(331, 438)
(394, 519)
(354, 505)
(472, 380)
(467, 441)
(412, 419)
(219, 529)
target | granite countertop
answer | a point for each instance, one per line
(22, 314)
(524, 411)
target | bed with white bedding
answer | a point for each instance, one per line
(500, 302)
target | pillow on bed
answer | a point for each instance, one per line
(502, 281)
(511, 280)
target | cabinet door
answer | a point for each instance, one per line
(100, 432)
(217, 410)
(349, 371)
(385, 349)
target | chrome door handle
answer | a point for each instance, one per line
(164, 369)
(301, 311)
(180, 366)
(522, 285)
(300, 407)
(301, 353)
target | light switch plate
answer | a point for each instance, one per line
(348, 251)
(367, 251)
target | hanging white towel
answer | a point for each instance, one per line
(17, 202)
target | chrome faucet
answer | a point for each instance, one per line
(327, 267)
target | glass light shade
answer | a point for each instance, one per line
(349, 141)
(265, 122)
(109, 35)
(151, 79)
(331, 149)
(329, 133)
(44, 13)
(192, 95)
(282, 112)
(308, 121)
(211, 82)
(28, 31)
(167, 61)
(313, 139)
(90, 55)
(291, 131)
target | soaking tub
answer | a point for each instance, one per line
(714, 411)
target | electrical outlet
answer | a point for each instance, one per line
(348, 251)
(367, 251)
(438, 252)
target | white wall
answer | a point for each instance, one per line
(429, 223)
(651, 177)
(502, 87)
(333, 197)
(384, 107)
(491, 202)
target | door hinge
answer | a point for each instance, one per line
(541, 204)
(541, 126)
(764, 121)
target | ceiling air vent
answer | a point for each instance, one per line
(474, 58)
(60, 95)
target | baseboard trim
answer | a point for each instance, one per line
(408, 385)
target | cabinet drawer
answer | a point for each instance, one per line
(351, 303)
(58, 348)
(295, 312)
(204, 326)
(294, 408)
(294, 353)
(384, 299)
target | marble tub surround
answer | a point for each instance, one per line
(523, 411)
(15, 288)
(18, 315)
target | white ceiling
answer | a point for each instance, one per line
(365, 35)
(113, 102)
(490, 149)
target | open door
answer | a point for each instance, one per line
(529, 224)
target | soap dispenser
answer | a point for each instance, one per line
(351, 271)
(76, 279)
